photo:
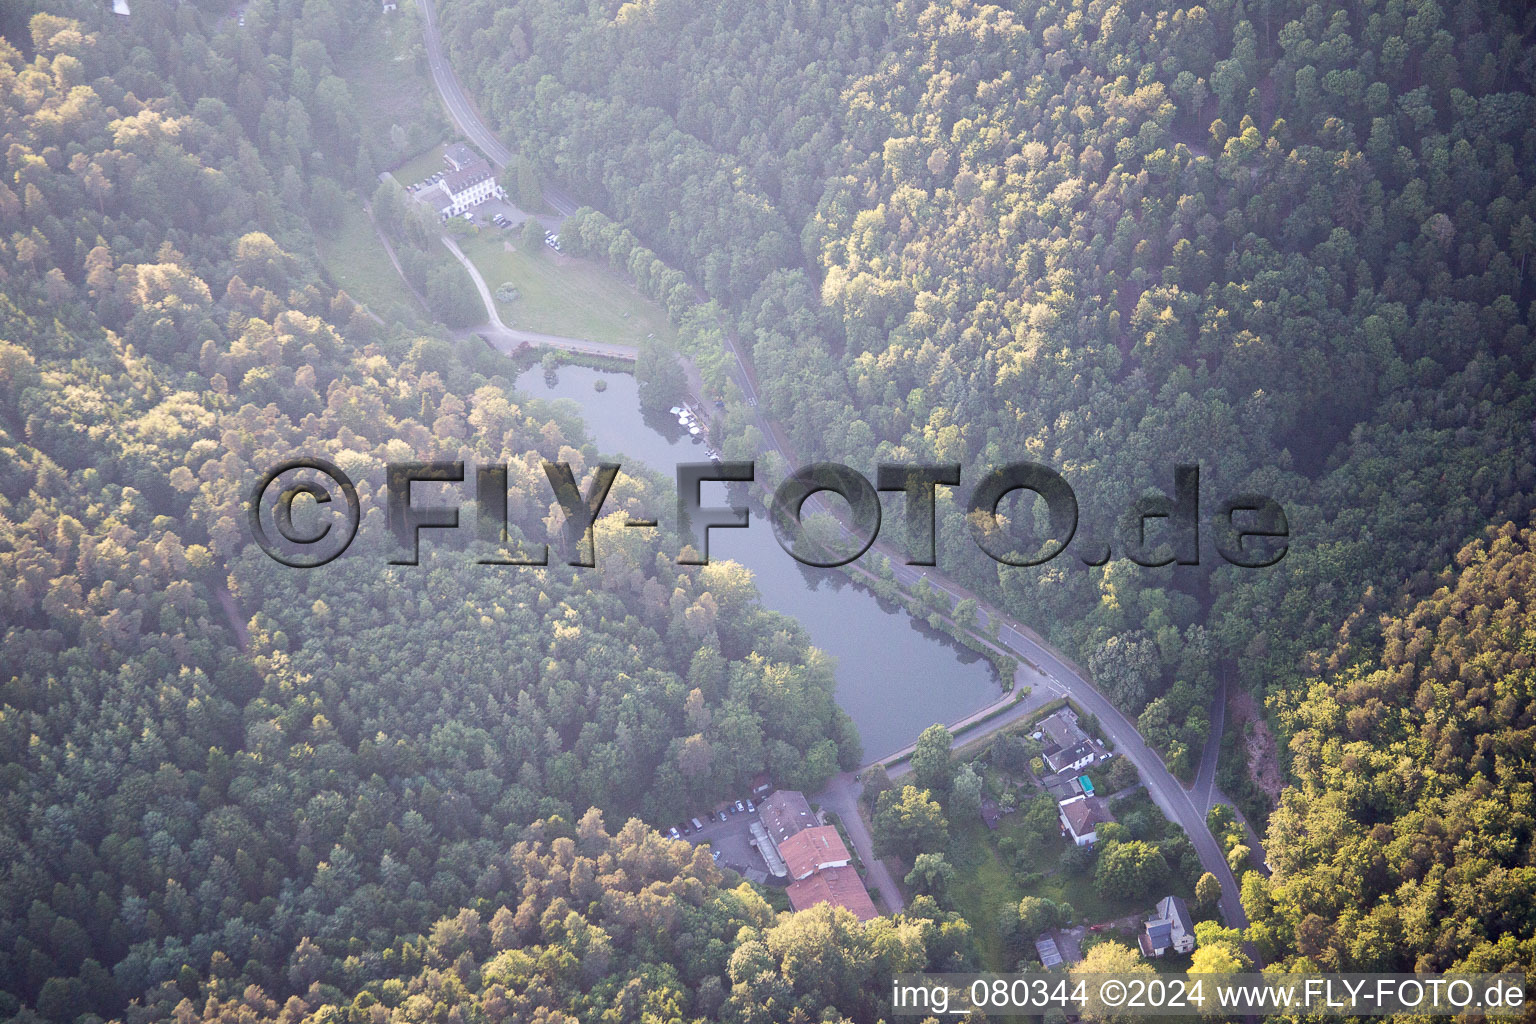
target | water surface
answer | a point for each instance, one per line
(895, 676)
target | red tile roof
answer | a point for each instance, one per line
(1087, 814)
(809, 849)
(840, 887)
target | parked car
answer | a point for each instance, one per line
(751, 807)
(740, 806)
(674, 833)
(698, 826)
(722, 816)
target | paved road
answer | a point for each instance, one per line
(463, 112)
(1205, 791)
(841, 796)
(509, 338)
(1165, 790)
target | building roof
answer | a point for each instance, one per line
(1160, 933)
(1172, 908)
(1046, 950)
(785, 813)
(761, 783)
(765, 847)
(1063, 787)
(1066, 756)
(1085, 814)
(458, 181)
(810, 848)
(459, 156)
(840, 887)
(1062, 729)
(991, 813)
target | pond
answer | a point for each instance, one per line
(895, 676)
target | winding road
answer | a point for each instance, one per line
(1057, 675)
(464, 112)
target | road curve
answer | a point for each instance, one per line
(509, 338)
(1166, 791)
(463, 112)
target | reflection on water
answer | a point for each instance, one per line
(895, 676)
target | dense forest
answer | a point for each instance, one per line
(347, 754)
(1288, 241)
(1405, 844)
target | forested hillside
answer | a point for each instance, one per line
(1406, 844)
(180, 802)
(1288, 241)
(582, 925)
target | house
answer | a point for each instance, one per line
(1045, 949)
(812, 850)
(1066, 759)
(1064, 744)
(1170, 927)
(1081, 817)
(1060, 729)
(785, 813)
(813, 855)
(468, 187)
(459, 156)
(841, 887)
(1063, 787)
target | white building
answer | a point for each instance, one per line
(459, 156)
(468, 187)
(1081, 817)
(1168, 928)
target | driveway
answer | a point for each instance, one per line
(841, 797)
(509, 338)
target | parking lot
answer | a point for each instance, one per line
(483, 213)
(731, 838)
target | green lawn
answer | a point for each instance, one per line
(983, 889)
(563, 295)
(357, 262)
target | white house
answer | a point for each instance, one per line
(1081, 817)
(468, 187)
(1168, 928)
(459, 156)
(1066, 759)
